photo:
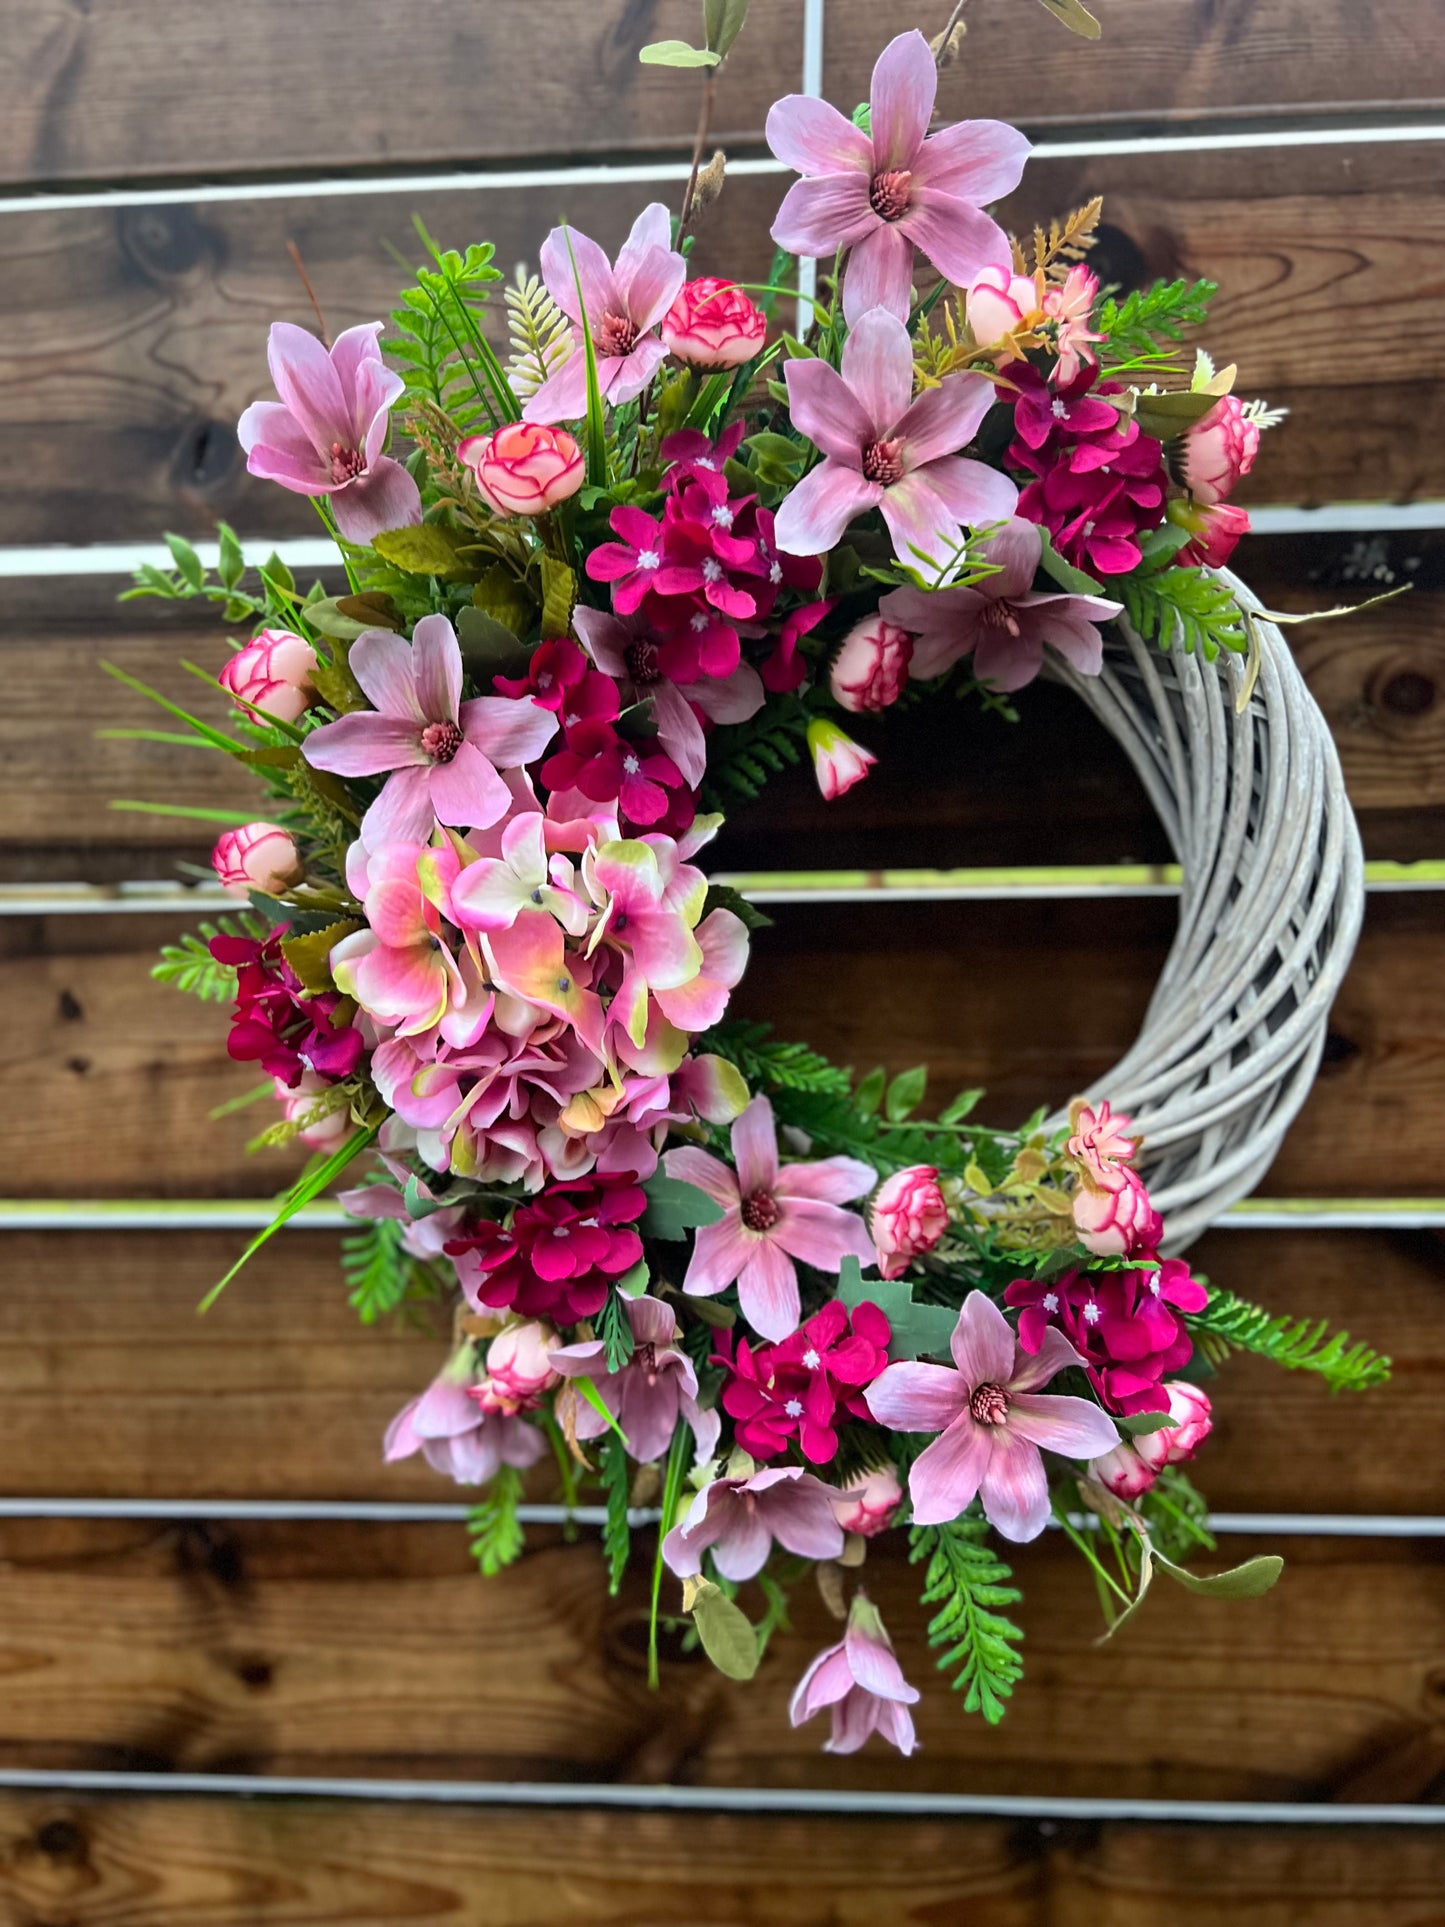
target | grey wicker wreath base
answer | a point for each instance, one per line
(1254, 806)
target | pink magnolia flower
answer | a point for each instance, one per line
(444, 753)
(272, 673)
(908, 1217)
(1001, 618)
(871, 666)
(524, 468)
(453, 1433)
(869, 1501)
(739, 1518)
(1123, 1472)
(992, 1420)
(999, 303)
(862, 1683)
(712, 324)
(653, 1390)
(326, 434)
(1218, 450)
(258, 856)
(772, 1214)
(1193, 1421)
(882, 450)
(1116, 1221)
(882, 193)
(838, 762)
(620, 308)
(520, 1369)
(1214, 529)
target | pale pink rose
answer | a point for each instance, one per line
(838, 762)
(908, 1217)
(519, 1369)
(524, 468)
(1218, 450)
(1116, 1223)
(712, 324)
(869, 671)
(273, 673)
(1193, 1422)
(1215, 529)
(869, 1502)
(327, 1132)
(258, 856)
(1070, 305)
(1100, 1142)
(999, 302)
(1123, 1472)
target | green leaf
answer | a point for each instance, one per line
(722, 22)
(599, 1405)
(617, 1533)
(1147, 323)
(231, 564)
(326, 618)
(501, 595)
(968, 1582)
(186, 561)
(488, 649)
(674, 1208)
(905, 1093)
(1250, 1581)
(424, 549)
(722, 896)
(1172, 413)
(916, 1330)
(724, 1629)
(559, 596)
(1140, 1425)
(493, 1527)
(596, 423)
(767, 1065)
(1228, 1324)
(377, 1267)
(1075, 16)
(677, 53)
(960, 1108)
(634, 1282)
(189, 965)
(1189, 606)
(869, 1094)
(310, 955)
(1064, 573)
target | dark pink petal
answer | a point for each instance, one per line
(916, 1397)
(946, 1476)
(827, 411)
(1015, 550)
(813, 516)
(812, 137)
(820, 216)
(467, 792)
(364, 744)
(375, 390)
(958, 238)
(1006, 662)
(1046, 1361)
(879, 273)
(878, 367)
(982, 1343)
(905, 83)
(1014, 1487)
(384, 498)
(945, 419)
(978, 160)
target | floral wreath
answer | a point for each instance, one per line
(621, 578)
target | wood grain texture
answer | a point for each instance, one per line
(141, 88)
(377, 1649)
(113, 1387)
(193, 1863)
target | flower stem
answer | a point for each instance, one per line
(672, 1485)
(704, 121)
(566, 1472)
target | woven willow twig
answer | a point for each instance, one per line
(1273, 890)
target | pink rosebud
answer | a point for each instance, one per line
(1218, 450)
(1000, 303)
(1193, 1422)
(838, 762)
(328, 1131)
(524, 468)
(870, 669)
(273, 673)
(1116, 1223)
(258, 856)
(1215, 528)
(712, 324)
(1123, 1472)
(908, 1217)
(869, 1502)
(519, 1369)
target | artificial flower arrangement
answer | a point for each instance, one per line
(620, 578)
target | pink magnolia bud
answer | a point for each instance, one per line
(273, 673)
(1116, 1223)
(1193, 1422)
(524, 468)
(869, 1502)
(870, 669)
(1215, 528)
(908, 1217)
(1218, 450)
(1123, 1472)
(519, 1369)
(838, 762)
(998, 303)
(712, 324)
(258, 856)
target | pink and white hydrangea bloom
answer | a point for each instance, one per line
(992, 1419)
(454, 1435)
(882, 193)
(860, 1681)
(327, 433)
(622, 308)
(398, 969)
(653, 1390)
(444, 754)
(493, 892)
(1002, 619)
(886, 451)
(772, 1214)
(739, 1517)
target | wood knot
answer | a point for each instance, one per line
(62, 1840)
(1408, 693)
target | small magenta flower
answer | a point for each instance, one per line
(886, 451)
(991, 1419)
(882, 193)
(445, 754)
(772, 1214)
(647, 1397)
(739, 1518)
(862, 1683)
(838, 762)
(326, 434)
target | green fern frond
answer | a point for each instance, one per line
(1231, 1324)
(968, 1582)
(377, 1267)
(617, 1533)
(190, 966)
(742, 756)
(540, 333)
(1185, 605)
(768, 1064)
(493, 1528)
(443, 356)
(1145, 321)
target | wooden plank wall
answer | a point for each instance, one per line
(155, 158)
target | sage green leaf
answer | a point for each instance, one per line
(489, 648)
(326, 619)
(1250, 1581)
(1076, 17)
(1170, 414)
(1064, 573)
(501, 595)
(869, 1094)
(905, 1093)
(722, 22)
(916, 1330)
(725, 1630)
(186, 560)
(309, 956)
(231, 564)
(424, 549)
(1140, 1424)
(559, 596)
(674, 1208)
(677, 53)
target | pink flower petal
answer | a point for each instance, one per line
(566, 258)
(924, 531)
(709, 1174)
(755, 1148)
(895, 1723)
(1007, 662)
(467, 792)
(812, 517)
(983, 1343)
(357, 350)
(1074, 1426)
(905, 83)
(946, 1476)
(364, 744)
(385, 497)
(831, 1180)
(1066, 629)
(655, 280)
(826, 410)
(382, 663)
(630, 374)
(604, 638)
(879, 273)
(509, 731)
(977, 160)
(1014, 1487)
(855, 1719)
(678, 731)
(279, 449)
(767, 1290)
(973, 493)
(563, 396)
(822, 1235)
(802, 1520)
(875, 1668)
(719, 1253)
(741, 1551)
(916, 1397)
(437, 668)
(1031, 1370)
(1014, 549)
(812, 137)
(878, 367)
(308, 384)
(402, 813)
(958, 238)
(946, 419)
(824, 1684)
(822, 215)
